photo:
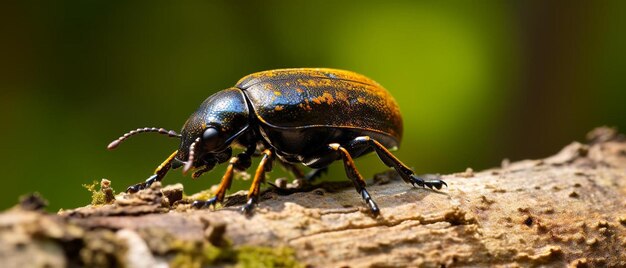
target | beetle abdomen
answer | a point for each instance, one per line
(306, 98)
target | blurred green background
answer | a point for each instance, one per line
(477, 81)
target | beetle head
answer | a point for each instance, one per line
(207, 135)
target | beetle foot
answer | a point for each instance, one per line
(143, 185)
(199, 204)
(134, 188)
(370, 202)
(430, 183)
(248, 208)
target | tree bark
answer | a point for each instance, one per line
(567, 209)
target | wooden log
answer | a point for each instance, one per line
(567, 209)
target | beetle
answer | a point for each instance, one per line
(311, 116)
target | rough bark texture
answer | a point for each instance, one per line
(568, 209)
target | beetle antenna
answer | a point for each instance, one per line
(169, 133)
(192, 152)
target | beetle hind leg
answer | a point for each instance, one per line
(391, 161)
(355, 177)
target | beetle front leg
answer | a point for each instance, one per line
(159, 174)
(240, 162)
(259, 176)
(355, 176)
(391, 161)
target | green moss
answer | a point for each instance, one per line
(196, 254)
(249, 256)
(91, 187)
(185, 260)
(202, 195)
(102, 196)
(97, 197)
(187, 254)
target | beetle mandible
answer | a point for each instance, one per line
(311, 116)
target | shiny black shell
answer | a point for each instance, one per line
(301, 111)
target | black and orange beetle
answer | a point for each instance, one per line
(309, 116)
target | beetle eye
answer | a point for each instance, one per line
(209, 138)
(209, 133)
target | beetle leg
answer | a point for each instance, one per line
(240, 162)
(259, 176)
(355, 176)
(159, 174)
(391, 161)
(222, 188)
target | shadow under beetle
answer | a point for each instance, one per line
(309, 116)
